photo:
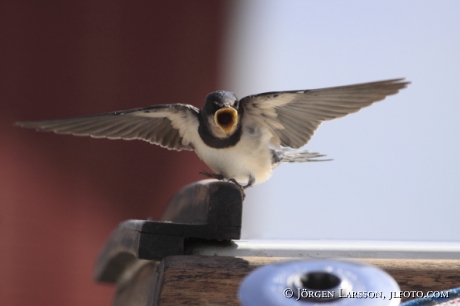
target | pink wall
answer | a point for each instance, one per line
(61, 196)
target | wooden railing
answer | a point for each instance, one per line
(159, 262)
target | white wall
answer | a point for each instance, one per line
(395, 174)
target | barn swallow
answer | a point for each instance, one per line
(242, 141)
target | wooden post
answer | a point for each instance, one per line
(207, 209)
(147, 260)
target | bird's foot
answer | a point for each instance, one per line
(239, 185)
(232, 180)
(216, 176)
(220, 177)
(249, 184)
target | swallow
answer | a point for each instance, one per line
(242, 141)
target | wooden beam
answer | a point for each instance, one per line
(214, 280)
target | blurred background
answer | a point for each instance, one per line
(395, 174)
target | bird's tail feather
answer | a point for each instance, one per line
(288, 155)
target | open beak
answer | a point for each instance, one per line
(226, 118)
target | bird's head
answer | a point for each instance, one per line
(221, 110)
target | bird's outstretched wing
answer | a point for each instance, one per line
(170, 126)
(293, 116)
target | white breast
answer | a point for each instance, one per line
(250, 156)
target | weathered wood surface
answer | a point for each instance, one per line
(421, 274)
(207, 209)
(206, 202)
(203, 280)
(137, 289)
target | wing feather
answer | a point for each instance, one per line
(293, 116)
(170, 126)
